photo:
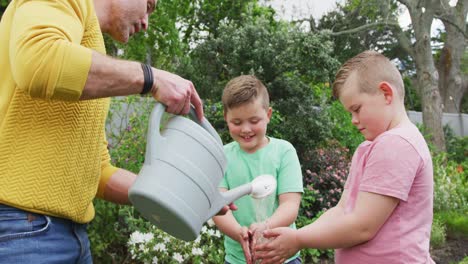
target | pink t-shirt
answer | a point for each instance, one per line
(398, 164)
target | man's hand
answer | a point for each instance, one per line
(278, 250)
(176, 93)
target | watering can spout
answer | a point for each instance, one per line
(260, 187)
(229, 197)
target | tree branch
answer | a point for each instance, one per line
(449, 21)
(363, 28)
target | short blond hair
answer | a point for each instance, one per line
(244, 89)
(372, 68)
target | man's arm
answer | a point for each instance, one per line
(116, 189)
(113, 77)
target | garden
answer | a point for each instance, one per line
(297, 64)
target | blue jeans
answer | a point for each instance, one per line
(35, 238)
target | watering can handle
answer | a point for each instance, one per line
(155, 122)
(206, 125)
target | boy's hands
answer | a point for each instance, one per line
(256, 236)
(245, 239)
(283, 245)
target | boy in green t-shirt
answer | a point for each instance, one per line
(252, 153)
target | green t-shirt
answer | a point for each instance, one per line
(278, 158)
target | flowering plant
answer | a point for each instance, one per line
(155, 246)
(324, 178)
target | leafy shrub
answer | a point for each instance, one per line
(312, 255)
(341, 127)
(154, 246)
(326, 172)
(455, 221)
(457, 147)
(107, 233)
(450, 184)
(438, 233)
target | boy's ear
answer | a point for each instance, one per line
(387, 91)
(269, 112)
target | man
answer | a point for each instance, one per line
(55, 84)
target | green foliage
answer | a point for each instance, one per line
(311, 255)
(326, 170)
(107, 233)
(450, 184)
(151, 245)
(127, 124)
(342, 128)
(353, 14)
(456, 222)
(286, 59)
(412, 98)
(438, 233)
(3, 5)
(457, 147)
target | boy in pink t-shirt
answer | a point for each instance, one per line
(385, 212)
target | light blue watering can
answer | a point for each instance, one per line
(177, 187)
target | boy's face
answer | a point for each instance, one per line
(248, 124)
(370, 113)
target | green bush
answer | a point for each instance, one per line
(438, 233)
(450, 184)
(341, 127)
(326, 172)
(155, 246)
(456, 222)
(311, 255)
(464, 261)
(457, 147)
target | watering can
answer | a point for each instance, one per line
(177, 187)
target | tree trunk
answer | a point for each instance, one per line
(451, 83)
(427, 76)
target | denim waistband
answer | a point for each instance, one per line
(4, 207)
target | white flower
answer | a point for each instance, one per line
(177, 256)
(210, 222)
(211, 232)
(142, 247)
(204, 229)
(197, 251)
(197, 240)
(138, 237)
(159, 247)
(155, 260)
(166, 239)
(217, 233)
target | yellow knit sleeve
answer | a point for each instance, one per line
(46, 57)
(107, 170)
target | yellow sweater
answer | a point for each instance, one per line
(53, 151)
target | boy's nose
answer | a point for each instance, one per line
(245, 129)
(354, 120)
